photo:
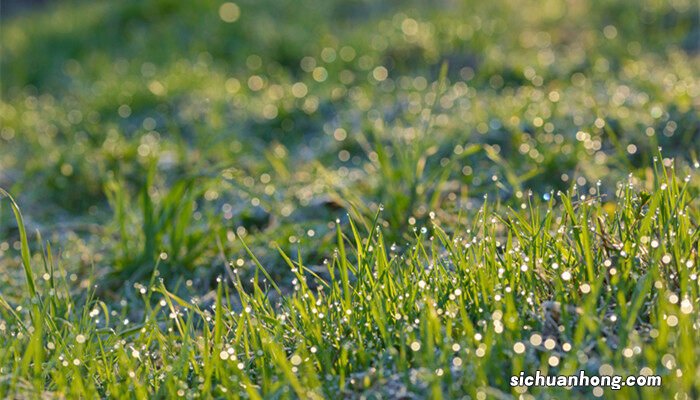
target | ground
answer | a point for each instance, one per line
(292, 199)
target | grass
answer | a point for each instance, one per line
(558, 286)
(348, 198)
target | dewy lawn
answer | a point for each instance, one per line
(314, 199)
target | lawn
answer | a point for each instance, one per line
(352, 199)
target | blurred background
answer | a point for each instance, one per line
(136, 131)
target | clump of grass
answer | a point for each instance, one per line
(169, 233)
(576, 281)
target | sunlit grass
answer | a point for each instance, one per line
(557, 285)
(292, 199)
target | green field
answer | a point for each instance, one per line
(348, 199)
